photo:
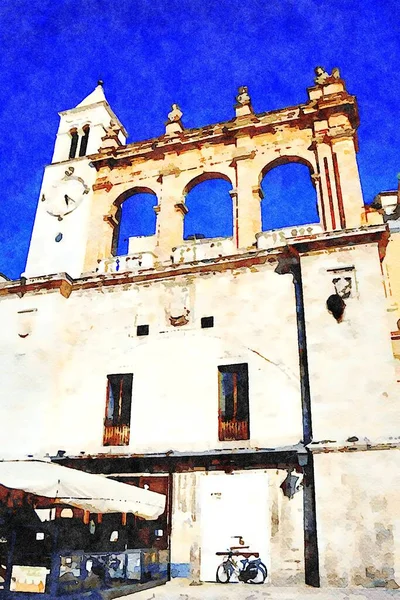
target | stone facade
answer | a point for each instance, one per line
(298, 322)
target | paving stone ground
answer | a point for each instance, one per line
(182, 590)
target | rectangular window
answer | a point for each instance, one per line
(142, 330)
(233, 413)
(118, 410)
(207, 322)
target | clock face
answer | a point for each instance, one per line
(64, 196)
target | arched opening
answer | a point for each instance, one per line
(210, 207)
(290, 197)
(135, 218)
(84, 140)
(74, 143)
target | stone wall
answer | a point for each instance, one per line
(357, 496)
(352, 376)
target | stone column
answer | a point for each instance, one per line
(350, 199)
(170, 214)
(101, 225)
(246, 201)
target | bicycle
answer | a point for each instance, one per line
(250, 571)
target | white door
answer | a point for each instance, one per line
(233, 505)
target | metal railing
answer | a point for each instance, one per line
(116, 435)
(233, 430)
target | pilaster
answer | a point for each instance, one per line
(347, 178)
(101, 228)
(329, 210)
(246, 199)
(170, 214)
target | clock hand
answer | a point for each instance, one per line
(68, 199)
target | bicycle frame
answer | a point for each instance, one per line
(240, 566)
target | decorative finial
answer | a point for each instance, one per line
(243, 102)
(113, 128)
(110, 141)
(175, 115)
(243, 97)
(100, 82)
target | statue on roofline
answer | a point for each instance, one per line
(175, 115)
(112, 130)
(323, 77)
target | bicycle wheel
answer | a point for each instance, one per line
(264, 568)
(223, 574)
(261, 575)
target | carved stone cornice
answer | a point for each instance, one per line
(320, 138)
(110, 219)
(115, 161)
(257, 192)
(61, 282)
(341, 238)
(299, 117)
(102, 184)
(331, 137)
(181, 207)
(348, 133)
(243, 155)
(170, 169)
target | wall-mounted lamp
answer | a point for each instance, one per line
(302, 457)
(289, 485)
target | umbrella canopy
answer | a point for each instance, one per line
(94, 493)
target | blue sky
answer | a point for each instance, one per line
(151, 53)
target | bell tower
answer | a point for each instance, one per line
(61, 226)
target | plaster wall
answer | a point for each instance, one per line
(31, 357)
(186, 529)
(76, 342)
(358, 518)
(351, 363)
(47, 256)
(391, 269)
(286, 560)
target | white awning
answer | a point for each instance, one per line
(83, 490)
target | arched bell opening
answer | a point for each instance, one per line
(135, 217)
(209, 203)
(289, 194)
